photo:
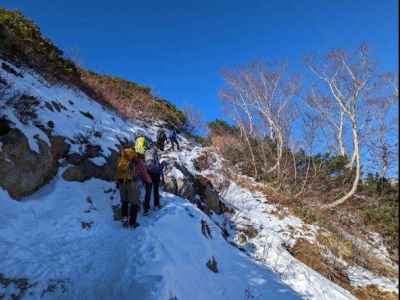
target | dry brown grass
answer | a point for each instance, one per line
(371, 292)
(310, 255)
(354, 254)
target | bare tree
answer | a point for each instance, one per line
(382, 127)
(194, 119)
(332, 115)
(349, 81)
(261, 97)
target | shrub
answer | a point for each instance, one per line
(23, 44)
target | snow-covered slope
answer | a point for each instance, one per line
(276, 230)
(64, 237)
(62, 242)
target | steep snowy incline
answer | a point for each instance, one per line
(273, 231)
(64, 241)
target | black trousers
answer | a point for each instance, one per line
(160, 144)
(155, 186)
(173, 143)
(132, 208)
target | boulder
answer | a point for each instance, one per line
(208, 194)
(83, 169)
(180, 182)
(82, 172)
(23, 171)
(92, 151)
(59, 147)
(197, 189)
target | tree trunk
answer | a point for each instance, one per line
(358, 171)
(341, 148)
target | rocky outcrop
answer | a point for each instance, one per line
(83, 169)
(196, 188)
(209, 196)
(23, 171)
(179, 181)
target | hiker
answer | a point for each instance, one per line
(130, 168)
(161, 138)
(173, 138)
(152, 162)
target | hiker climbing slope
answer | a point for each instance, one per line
(173, 138)
(130, 169)
(161, 138)
(154, 168)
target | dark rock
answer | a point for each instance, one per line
(92, 151)
(48, 106)
(23, 171)
(84, 169)
(182, 186)
(82, 172)
(11, 70)
(59, 147)
(3, 81)
(197, 189)
(25, 107)
(50, 124)
(212, 265)
(56, 105)
(205, 229)
(75, 159)
(4, 126)
(87, 115)
(208, 194)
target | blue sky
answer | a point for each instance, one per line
(179, 47)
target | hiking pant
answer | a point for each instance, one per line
(160, 144)
(130, 204)
(174, 142)
(155, 186)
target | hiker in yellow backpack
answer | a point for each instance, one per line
(130, 168)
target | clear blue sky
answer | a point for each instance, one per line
(179, 47)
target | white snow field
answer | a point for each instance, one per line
(42, 239)
(62, 242)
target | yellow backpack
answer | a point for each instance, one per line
(125, 165)
(141, 145)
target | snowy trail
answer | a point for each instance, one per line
(42, 239)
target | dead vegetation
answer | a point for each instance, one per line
(23, 44)
(310, 255)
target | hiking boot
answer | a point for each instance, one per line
(146, 212)
(133, 226)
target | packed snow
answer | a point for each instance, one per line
(65, 236)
